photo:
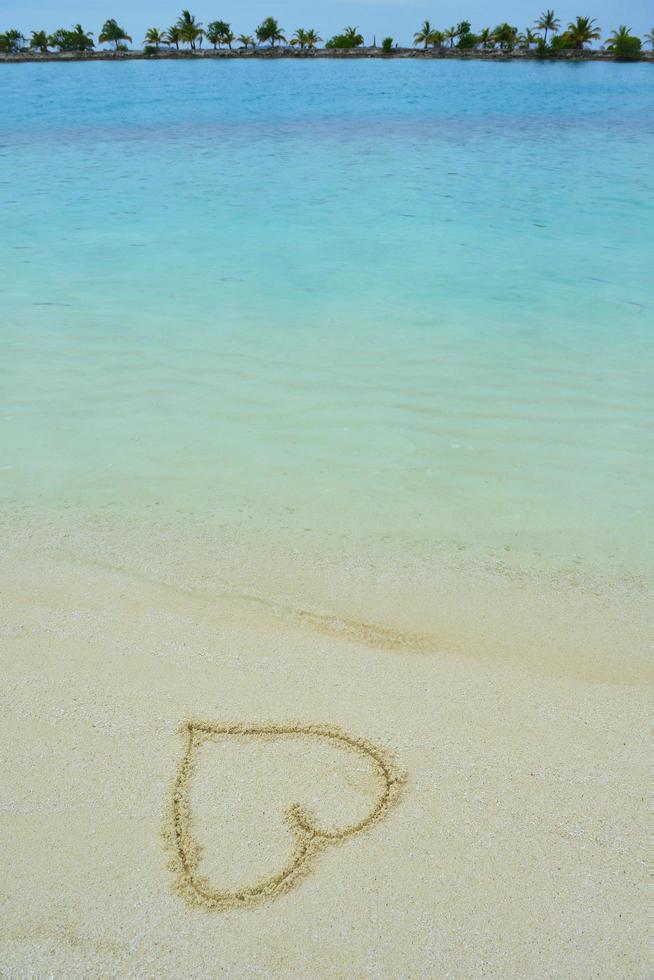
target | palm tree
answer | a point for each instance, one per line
(305, 38)
(111, 32)
(506, 36)
(423, 36)
(299, 38)
(624, 45)
(75, 40)
(219, 32)
(451, 35)
(548, 22)
(155, 37)
(622, 33)
(39, 40)
(185, 19)
(246, 40)
(649, 38)
(173, 36)
(11, 41)
(312, 38)
(80, 39)
(528, 38)
(269, 30)
(486, 39)
(583, 31)
(190, 30)
(352, 34)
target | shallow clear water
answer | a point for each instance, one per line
(402, 303)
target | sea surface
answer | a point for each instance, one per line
(393, 305)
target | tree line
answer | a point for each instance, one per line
(545, 37)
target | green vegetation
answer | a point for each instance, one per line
(76, 40)
(545, 39)
(548, 22)
(269, 32)
(113, 34)
(350, 38)
(39, 41)
(505, 36)
(173, 37)
(624, 44)
(218, 33)
(561, 42)
(305, 39)
(11, 41)
(424, 35)
(485, 39)
(466, 40)
(582, 31)
(190, 31)
(428, 36)
(155, 38)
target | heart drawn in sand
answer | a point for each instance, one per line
(307, 834)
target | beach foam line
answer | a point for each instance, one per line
(555, 621)
(372, 634)
(361, 631)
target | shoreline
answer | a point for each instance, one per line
(434, 54)
(566, 620)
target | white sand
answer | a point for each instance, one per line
(514, 848)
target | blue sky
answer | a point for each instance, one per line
(399, 18)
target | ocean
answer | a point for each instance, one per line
(393, 306)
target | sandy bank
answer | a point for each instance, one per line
(513, 847)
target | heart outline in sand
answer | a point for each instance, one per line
(310, 839)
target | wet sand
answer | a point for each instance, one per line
(513, 842)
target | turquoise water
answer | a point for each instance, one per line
(402, 303)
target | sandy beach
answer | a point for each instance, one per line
(512, 846)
